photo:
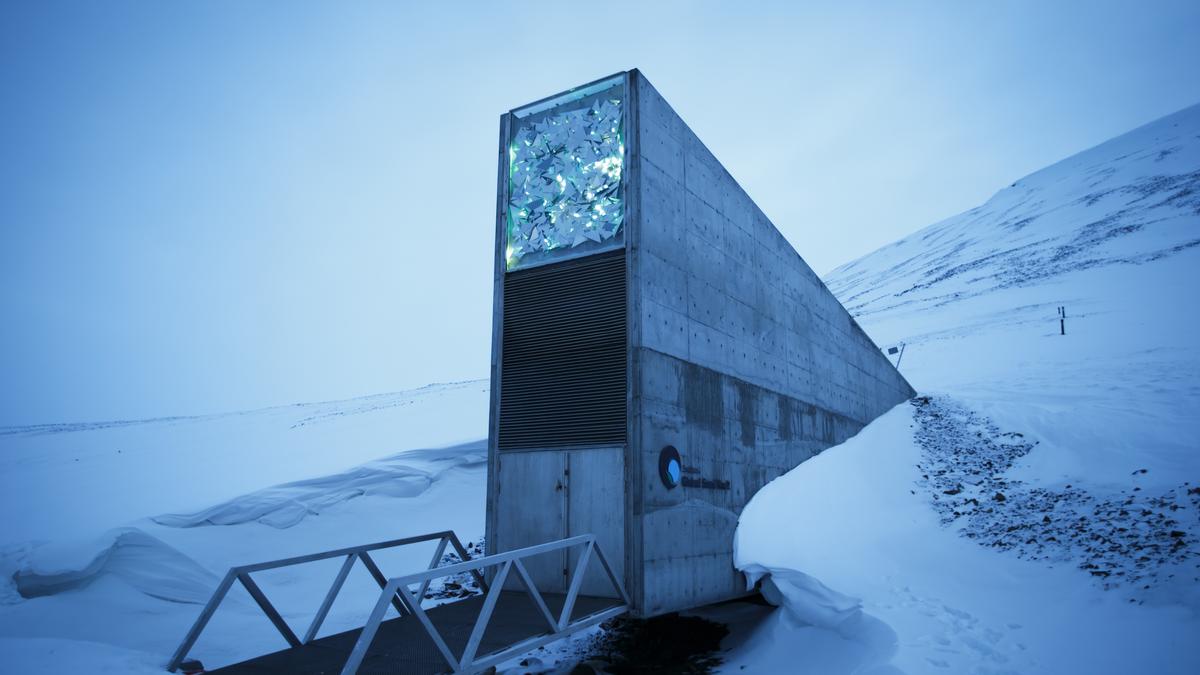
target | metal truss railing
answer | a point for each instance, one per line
(556, 627)
(360, 553)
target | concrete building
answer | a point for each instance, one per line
(659, 351)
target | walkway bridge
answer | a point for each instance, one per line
(509, 618)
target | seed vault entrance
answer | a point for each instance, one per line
(563, 494)
(660, 352)
(560, 407)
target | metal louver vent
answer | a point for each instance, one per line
(563, 355)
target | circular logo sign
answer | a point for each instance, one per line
(670, 467)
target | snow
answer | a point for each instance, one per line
(143, 562)
(950, 604)
(135, 603)
(48, 655)
(115, 532)
(1110, 413)
(407, 474)
(126, 571)
(74, 480)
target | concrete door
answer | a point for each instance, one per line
(549, 495)
(531, 509)
(596, 505)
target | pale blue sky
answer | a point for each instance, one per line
(209, 206)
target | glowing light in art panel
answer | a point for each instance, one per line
(565, 171)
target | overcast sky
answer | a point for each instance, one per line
(211, 206)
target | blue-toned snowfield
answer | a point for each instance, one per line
(1036, 510)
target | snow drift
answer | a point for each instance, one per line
(1040, 511)
(140, 560)
(283, 506)
(121, 602)
(71, 481)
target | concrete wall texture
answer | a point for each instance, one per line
(741, 359)
(738, 357)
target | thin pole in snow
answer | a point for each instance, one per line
(1062, 320)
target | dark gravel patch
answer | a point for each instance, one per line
(1130, 539)
(671, 644)
(459, 585)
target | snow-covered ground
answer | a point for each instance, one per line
(894, 552)
(891, 553)
(143, 517)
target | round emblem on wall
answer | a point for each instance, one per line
(670, 466)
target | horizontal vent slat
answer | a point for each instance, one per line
(563, 378)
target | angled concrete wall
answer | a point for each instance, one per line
(741, 359)
(737, 356)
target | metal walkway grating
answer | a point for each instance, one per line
(462, 633)
(403, 646)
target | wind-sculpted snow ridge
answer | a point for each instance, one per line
(1130, 201)
(283, 506)
(807, 599)
(124, 471)
(1134, 539)
(144, 562)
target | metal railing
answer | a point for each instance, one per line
(557, 627)
(400, 594)
(360, 553)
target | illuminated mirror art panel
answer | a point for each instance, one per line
(565, 165)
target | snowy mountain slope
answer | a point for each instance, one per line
(975, 299)
(1040, 513)
(1129, 201)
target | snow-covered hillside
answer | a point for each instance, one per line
(1040, 511)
